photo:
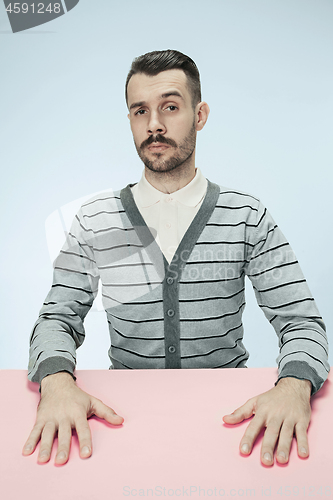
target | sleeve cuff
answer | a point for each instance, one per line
(302, 371)
(53, 365)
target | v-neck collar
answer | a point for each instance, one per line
(190, 237)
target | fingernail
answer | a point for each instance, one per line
(85, 450)
(44, 453)
(267, 457)
(303, 450)
(245, 448)
(61, 455)
(282, 455)
(28, 447)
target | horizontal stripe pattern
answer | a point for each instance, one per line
(239, 240)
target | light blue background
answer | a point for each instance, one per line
(267, 73)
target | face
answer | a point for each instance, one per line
(162, 119)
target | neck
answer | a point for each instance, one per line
(169, 182)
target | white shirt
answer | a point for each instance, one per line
(169, 215)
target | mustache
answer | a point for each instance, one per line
(158, 138)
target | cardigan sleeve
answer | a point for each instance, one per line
(284, 296)
(59, 330)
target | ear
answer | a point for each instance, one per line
(201, 111)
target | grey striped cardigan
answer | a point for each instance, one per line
(187, 314)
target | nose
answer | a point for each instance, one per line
(155, 124)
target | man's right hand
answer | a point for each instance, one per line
(63, 407)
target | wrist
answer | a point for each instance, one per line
(300, 385)
(55, 380)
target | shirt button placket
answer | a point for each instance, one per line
(171, 321)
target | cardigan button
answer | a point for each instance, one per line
(169, 280)
(172, 349)
(170, 313)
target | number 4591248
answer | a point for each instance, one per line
(39, 9)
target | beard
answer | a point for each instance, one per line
(183, 152)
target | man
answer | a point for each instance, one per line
(174, 293)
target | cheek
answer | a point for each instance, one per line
(137, 134)
(139, 127)
(181, 128)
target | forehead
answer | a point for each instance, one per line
(143, 87)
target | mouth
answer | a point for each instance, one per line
(157, 147)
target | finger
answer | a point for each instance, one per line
(243, 412)
(84, 436)
(285, 440)
(269, 441)
(64, 442)
(33, 439)
(47, 439)
(102, 411)
(302, 440)
(251, 434)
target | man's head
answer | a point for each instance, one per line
(155, 62)
(165, 109)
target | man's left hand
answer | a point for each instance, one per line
(283, 410)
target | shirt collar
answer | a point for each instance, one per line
(190, 195)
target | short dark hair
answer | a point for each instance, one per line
(157, 61)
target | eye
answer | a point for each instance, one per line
(172, 107)
(140, 112)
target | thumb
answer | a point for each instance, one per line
(243, 412)
(99, 409)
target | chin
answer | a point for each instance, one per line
(162, 168)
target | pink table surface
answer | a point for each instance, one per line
(172, 444)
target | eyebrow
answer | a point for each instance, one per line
(163, 96)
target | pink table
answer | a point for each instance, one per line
(173, 442)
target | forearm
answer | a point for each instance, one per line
(303, 344)
(52, 350)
